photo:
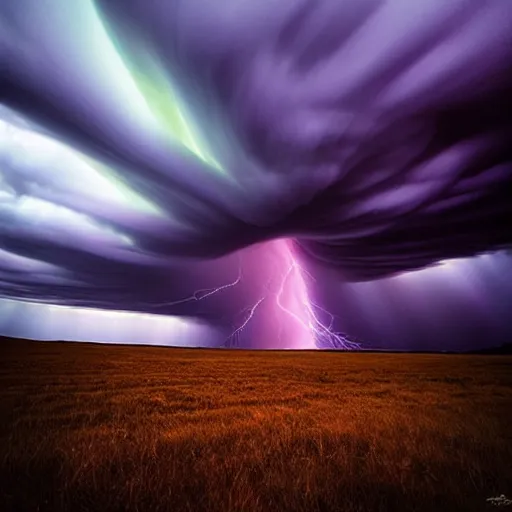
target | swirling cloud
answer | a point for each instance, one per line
(144, 139)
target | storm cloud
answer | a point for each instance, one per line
(157, 140)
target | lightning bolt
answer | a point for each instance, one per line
(294, 313)
(293, 299)
(232, 340)
(205, 292)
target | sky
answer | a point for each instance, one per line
(294, 175)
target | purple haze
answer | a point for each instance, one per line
(375, 136)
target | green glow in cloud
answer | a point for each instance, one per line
(157, 91)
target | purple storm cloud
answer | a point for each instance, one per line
(220, 161)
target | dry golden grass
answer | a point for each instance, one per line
(116, 428)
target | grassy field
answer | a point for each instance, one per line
(117, 428)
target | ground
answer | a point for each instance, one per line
(87, 427)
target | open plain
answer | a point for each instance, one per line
(89, 427)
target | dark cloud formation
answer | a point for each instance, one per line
(377, 135)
